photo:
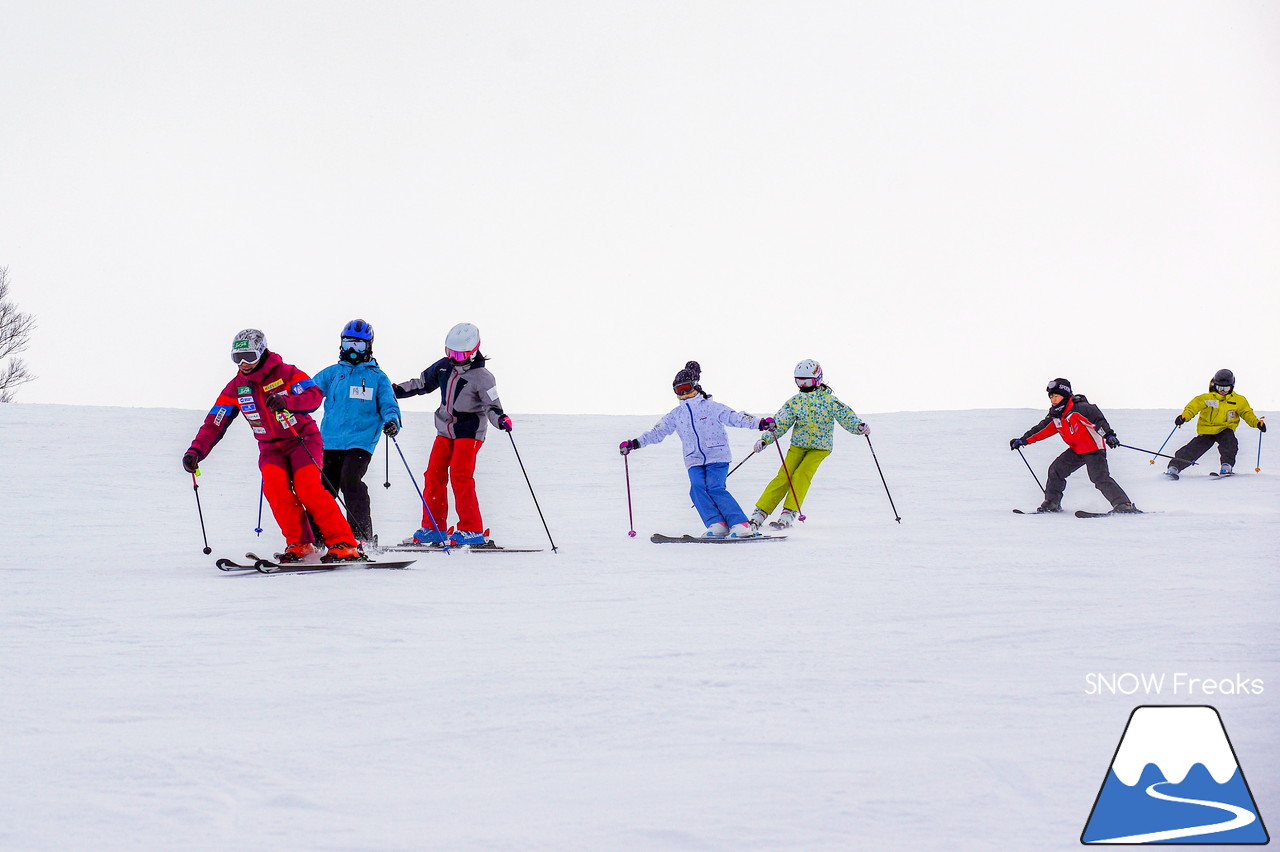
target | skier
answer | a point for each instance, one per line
(1087, 434)
(1219, 413)
(813, 411)
(700, 424)
(276, 399)
(358, 405)
(468, 398)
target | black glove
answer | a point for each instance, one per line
(1017, 442)
(190, 461)
(1179, 420)
(627, 446)
(1262, 425)
(277, 402)
(1112, 439)
(390, 429)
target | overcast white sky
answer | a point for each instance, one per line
(947, 204)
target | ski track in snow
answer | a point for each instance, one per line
(864, 684)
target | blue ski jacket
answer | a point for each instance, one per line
(358, 401)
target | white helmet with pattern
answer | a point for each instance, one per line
(808, 374)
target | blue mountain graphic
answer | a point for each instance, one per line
(1122, 810)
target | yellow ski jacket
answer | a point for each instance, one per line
(1219, 411)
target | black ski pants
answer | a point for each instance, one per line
(345, 469)
(1228, 446)
(1099, 474)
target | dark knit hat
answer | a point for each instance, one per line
(1061, 386)
(689, 375)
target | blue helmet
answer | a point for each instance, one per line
(357, 342)
(358, 329)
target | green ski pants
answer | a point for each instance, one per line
(803, 464)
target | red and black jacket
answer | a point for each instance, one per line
(1080, 423)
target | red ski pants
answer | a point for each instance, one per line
(452, 459)
(291, 483)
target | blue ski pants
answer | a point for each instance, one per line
(711, 497)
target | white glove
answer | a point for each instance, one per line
(759, 446)
(863, 429)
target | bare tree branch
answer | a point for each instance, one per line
(15, 335)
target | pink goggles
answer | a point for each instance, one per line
(806, 382)
(460, 356)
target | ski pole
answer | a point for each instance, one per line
(1258, 466)
(207, 548)
(386, 478)
(531, 494)
(1153, 452)
(626, 467)
(262, 490)
(323, 477)
(1033, 473)
(794, 496)
(896, 516)
(414, 480)
(1166, 440)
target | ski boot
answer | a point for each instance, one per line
(785, 520)
(426, 535)
(743, 530)
(1126, 509)
(717, 530)
(757, 519)
(342, 552)
(295, 553)
(462, 537)
(1226, 470)
(1171, 472)
(1046, 507)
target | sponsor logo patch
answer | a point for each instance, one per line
(259, 430)
(243, 399)
(243, 390)
(361, 393)
(277, 383)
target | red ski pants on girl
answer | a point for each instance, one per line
(452, 459)
(291, 483)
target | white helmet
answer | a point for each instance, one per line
(462, 342)
(808, 373)
(248, 346)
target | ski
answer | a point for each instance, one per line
(487, 547)
(1035, 512)
(229, 565)
(1081, 513)
(659, 538)
(1222, 475)
(266, 567)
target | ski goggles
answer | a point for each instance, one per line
(461, 356)
(806, 381)
(1223, 389)
(684, 388)
(355, 344)
(246, 356)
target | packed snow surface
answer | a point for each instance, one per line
(933, 684)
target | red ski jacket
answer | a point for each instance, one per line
(1081, 424)
(247, 394)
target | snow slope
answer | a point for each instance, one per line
(863, 685)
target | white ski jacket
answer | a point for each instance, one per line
(700, 424)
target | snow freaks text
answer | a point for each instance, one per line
(1178, 683)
